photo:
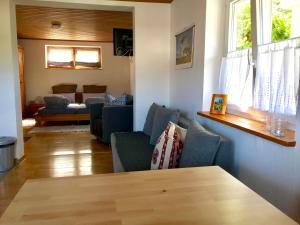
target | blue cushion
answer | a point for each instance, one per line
(161, 119)
(200, 147)
(149, 119)
(56, 102)
(109, 98)
(120, 100)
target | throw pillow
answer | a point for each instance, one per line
(149, 119)
(161, 119)
(200, 147)
(168, 149)
(120, 100)
(85, 96)
(95, 100)
(70, 96)
(109, 98)
(56, 102)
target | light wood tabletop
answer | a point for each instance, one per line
(206, 196)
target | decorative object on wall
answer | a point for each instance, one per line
(218, 104)
(185, 48)
(123, 42)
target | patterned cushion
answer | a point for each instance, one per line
(168, 149)
(120, 100)
(109, 98)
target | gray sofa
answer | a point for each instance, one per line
(132, 151)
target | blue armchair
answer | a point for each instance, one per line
(107, 119)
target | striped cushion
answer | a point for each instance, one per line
(168, 148)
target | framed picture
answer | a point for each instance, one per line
(185, 48)
(218, 104)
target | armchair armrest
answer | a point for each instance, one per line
(116, 119)
(95, 118)
(96, 111)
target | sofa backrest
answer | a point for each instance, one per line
(224, 156)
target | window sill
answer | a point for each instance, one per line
(252, 127)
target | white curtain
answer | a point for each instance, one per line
(236, 78)
(277, 77)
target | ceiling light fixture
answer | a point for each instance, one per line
(55, 25)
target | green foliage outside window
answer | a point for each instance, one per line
(281, 25)
(244, 39)
(281, 22)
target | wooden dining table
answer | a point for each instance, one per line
(206, 196)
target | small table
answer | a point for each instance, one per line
(206, 195)
(33, 108)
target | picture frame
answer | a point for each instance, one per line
(185, 48)
(218, 104)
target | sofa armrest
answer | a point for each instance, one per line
(116, 119)
(117, 164)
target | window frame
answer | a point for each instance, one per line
(75, 48)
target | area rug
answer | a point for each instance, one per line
(60, 129)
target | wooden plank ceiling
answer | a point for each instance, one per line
(150, 1)
(34, 22)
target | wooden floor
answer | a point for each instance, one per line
(56, 155)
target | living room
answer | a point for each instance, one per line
(266, 164)
(67, 52)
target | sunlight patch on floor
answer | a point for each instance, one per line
(28, 123)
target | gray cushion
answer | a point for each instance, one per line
(200, 147)
(134, 150)
(150, 117)
(129, 99)
(94, 100)
(161, 119)
(56, 102)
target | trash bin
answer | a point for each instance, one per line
(7, 153)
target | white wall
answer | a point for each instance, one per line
(152, 58)
(10, 104)
(38, 80)
(214, 48)
(271, 170)
(191, 89)
(186, 85)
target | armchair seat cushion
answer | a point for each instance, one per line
(134, 150)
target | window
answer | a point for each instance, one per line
(240, 26)
(266, 81)
(278, 20)
(73, 57)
